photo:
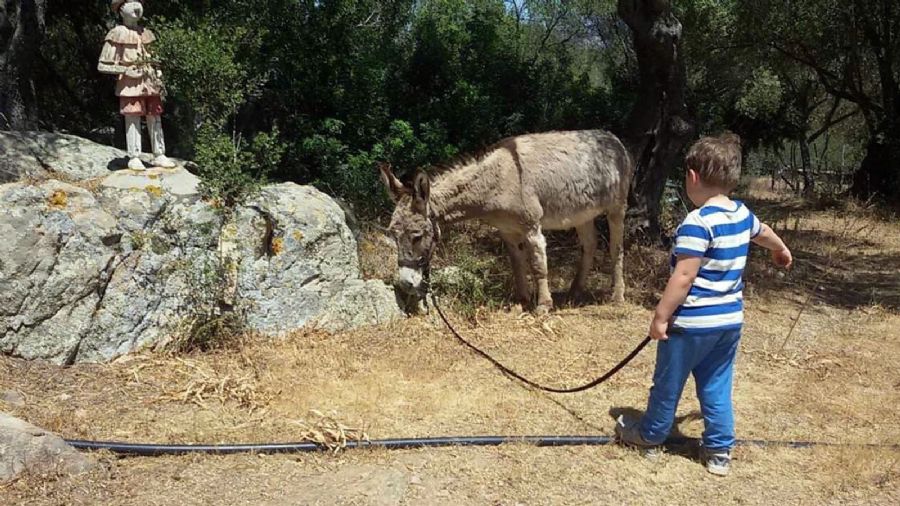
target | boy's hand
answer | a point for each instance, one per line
(658, 329)
(782, 257)
(767, 238)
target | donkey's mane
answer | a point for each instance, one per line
(461, 160)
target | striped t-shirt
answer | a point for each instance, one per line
(721, 237)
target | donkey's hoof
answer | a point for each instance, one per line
(542, 309)
(516, 309)
(577, 296)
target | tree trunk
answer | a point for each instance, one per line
(21, 31)
(806, 166)
(879, 174)
(659, 125)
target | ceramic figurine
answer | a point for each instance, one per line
(139, 86)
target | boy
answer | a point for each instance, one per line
(697, 323)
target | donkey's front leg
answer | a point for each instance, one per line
(515, 245)
(537, 250)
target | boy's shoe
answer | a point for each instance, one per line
(718, 462)
(628, 433)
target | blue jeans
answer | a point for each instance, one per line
(710, 357)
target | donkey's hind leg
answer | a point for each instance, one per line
(616, 220)
(536, 244)
(515, 246)
(587, 236)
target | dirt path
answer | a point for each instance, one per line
(833, 378)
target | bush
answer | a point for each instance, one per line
(210, 324)
(472, 272)
(231, 170)
(353, 176)
(208, 82)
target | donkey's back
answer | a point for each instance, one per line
(567, 178)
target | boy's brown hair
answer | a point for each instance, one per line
(717, 160)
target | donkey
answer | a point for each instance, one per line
(521, 186)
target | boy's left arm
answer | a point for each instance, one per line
(767, 238)
(686, 269)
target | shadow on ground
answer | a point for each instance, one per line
(838, 257)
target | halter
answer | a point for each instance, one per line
(423, 263)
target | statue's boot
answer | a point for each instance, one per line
(136, 164)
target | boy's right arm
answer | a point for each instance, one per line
(767, 238)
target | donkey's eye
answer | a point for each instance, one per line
(417, 238)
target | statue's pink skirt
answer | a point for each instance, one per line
(140, 106)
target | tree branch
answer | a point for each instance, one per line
(371, 20)
(548, 32)
(826, 77)
(832, 122)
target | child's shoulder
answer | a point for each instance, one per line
(741, 204)
(695, 217)
(731, 209)
(710, 215)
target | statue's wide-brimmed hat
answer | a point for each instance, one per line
(116, 4)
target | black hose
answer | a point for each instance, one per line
(392, 444)
(151, 450)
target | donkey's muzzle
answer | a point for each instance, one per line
(411, 281)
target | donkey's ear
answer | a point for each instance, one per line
(421, 191)
(393, 185)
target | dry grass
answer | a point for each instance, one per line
(378, 254)
(200, 384)
(835, 379)
(328, 432)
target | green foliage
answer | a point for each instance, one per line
(761, 96)
(231, 170)
(354, 174)
(848, 51)
(202, 69)
(209, 81)
(475, 278)
(351, 83)
(778, 74)
(348, 174)
(209, 324)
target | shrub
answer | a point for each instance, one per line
(210, 324)
(208, 82)
(231, 170)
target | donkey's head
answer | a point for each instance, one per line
(414, 228)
